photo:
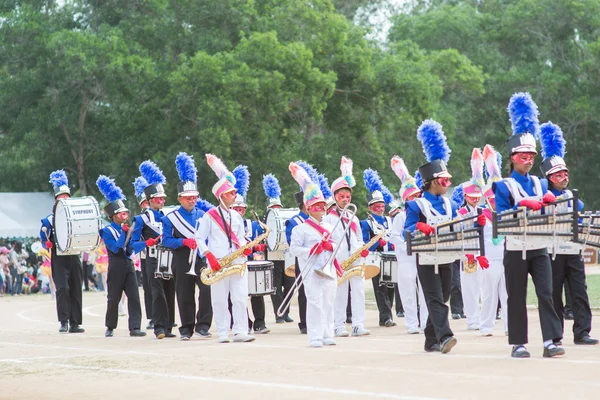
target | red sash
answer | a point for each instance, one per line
(346, 220)
(463, 211)
(326, 237)
(214, 214)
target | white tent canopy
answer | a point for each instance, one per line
(21, 213)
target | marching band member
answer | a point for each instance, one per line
(468, 195)
(377, 197)
(393, 209)
(242, 185)
(423, 214)
(409, 287)
(121, 273)
(524, 190)
(139, 185)
(493, 283)
(351, 242)
(311, 244)
(66, 269)
(567, 263)
(281, 281)
(224, 230)
(147, 233)
(179, 231)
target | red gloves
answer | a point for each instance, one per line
(531, 204)
(483, 262)
(317, 248)
(392, 247)
(481, 220)
(49, 244)
(247, 252)
(212, 261)
(549, 198)
(364, 253)
(125, 227)
(382, 243)
(470, 258)
(260, 247)
(426, 229)
(327, 246)
(190, 243)
(152, 242)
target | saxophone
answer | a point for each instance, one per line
(208, 276)
(359, 270)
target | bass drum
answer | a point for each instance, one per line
(275, 220)
(77, 222)
(260, 278)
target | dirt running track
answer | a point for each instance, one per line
(38, 362)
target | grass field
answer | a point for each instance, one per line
(593, 282)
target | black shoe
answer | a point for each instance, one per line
(554, 351)
(456, 316)
(433, 348)
(136, 333)
(108, 333)
(348, 320)
(388, 323)
(569, 316)
(557, 342)
(280, 321)
(448, 344)
(586, 340)
(462, 315)
(498, 316)
(175, 325)
(169, 334)
(203, 333)
(520, 354)
(400, 314)
(287, 318)
(76, 329)
(150, 325)
(185, 336)
(160, 333)
(64, 327)
(303, 331)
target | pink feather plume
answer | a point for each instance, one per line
(400, 169)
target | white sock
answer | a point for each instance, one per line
(549, 344)
(520, 348)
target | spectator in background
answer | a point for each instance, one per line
(87, 261)
(4, 269)
(5, 266)
(18, 260)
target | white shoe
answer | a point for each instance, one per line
(473, 327)
(341, 332)
(329, 341)
(487, 334)
(360, 331)
(413, 331)
(224, 339)
(316, 343)
(242, 338)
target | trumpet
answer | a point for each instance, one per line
(328, 270)
(193, 253)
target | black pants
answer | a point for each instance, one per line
(568, 298)
(384, 297)
(163, 298)
(456, 301)
(301, 301)
(146, 285)
(537, 264)
(88, 276)
(283, 284)
(185, 289)
(258, 309)
(121, 278)
(398, 300)
(67, 276)
(436, 288)
(570, 270)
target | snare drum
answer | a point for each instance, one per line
(164, 256)
(372, 264)
(77, 222)
(260, 278)
(275, 220)
(290, 265)
(389, 268)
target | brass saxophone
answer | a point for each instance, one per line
(208, 276)
(359, 270)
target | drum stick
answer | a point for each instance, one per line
(129, 233)
(45, 230)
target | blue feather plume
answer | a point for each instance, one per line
(203, 205)
(388, 197)
(553, 142)
(186, 169)
(499, 160)
(325, 189)
(523, 113)
(152, 173)
(271, 186)
(373, 182)
(458, 197)
(59, 178)
(109, 189)
(312, 173)
(242, 180)
(418, 180)
(139, 185)
(433, 140)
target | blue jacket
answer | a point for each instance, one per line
(137, 241)
(413, 212)
(49, 230)
(168, 240)
(366, 231)
(291, 223)
(115, 246)
(504, 200)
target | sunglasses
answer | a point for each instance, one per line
(318, 207)
(524, 157)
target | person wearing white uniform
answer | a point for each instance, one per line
(351, 242)
(223, 228)
(312, 244)
(415, 314)
(493, 283)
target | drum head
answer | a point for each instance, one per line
(371, 271)
(76, 225)
(36, 247)
(61, 225)
(261, 265)
(275, 221)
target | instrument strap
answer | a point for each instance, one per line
(181, 224)
(148, 218)
(227, 227)
(114, 232)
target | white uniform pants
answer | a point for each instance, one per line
(471, 291)
(237, 286)
(357, 285)
(493, 287)
(320, 296)
(407, 286)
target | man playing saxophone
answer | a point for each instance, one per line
(223, 229)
